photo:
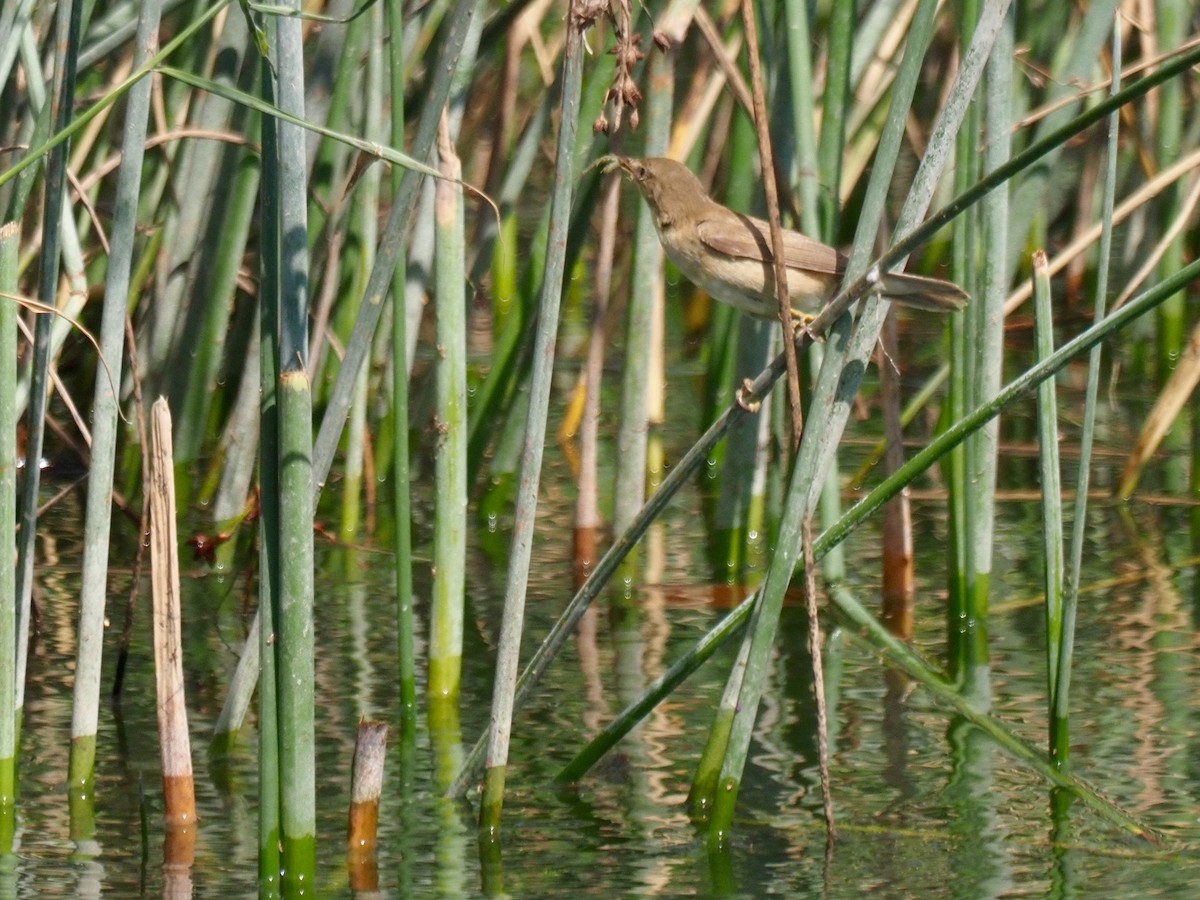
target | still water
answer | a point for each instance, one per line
(925, 805)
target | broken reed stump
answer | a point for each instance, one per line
(366, 787)
(178, 786)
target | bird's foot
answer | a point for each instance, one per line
(801, 322)
(745, 397)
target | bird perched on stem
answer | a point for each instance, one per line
(729, 254)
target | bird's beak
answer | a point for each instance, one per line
(625, 164)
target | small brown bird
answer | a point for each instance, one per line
(729, 254)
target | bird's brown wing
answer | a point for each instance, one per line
(751, 239)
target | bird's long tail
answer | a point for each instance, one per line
(920, 292)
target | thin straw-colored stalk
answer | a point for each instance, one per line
(1051, 478)
(401, 497)
(766, 158)
(10, 238)
(812, 220)
(839, 56)
(698, 453)
(294, 640)
(1172, 400)
(390, 245)
(98, 518)
(450, 479)
(1061, 689)
(535, 434)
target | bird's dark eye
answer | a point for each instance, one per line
(641, 173)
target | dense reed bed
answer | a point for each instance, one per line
(361, 243)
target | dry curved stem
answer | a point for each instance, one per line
(1142, 195)
(726, 58)
(1170, 403)
(110, 165)
(1142, 65)
(38, 307)
(1146, 269)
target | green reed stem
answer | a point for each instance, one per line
(401, 471)
(270, 863)
(294, 641)
(966, 636)
(450, 479)
(83, 748)
(10, 240)
(98, 518)
(834, 108)
(1051, 478)
(512, 624)
(1172, 18)
(1074, 563)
